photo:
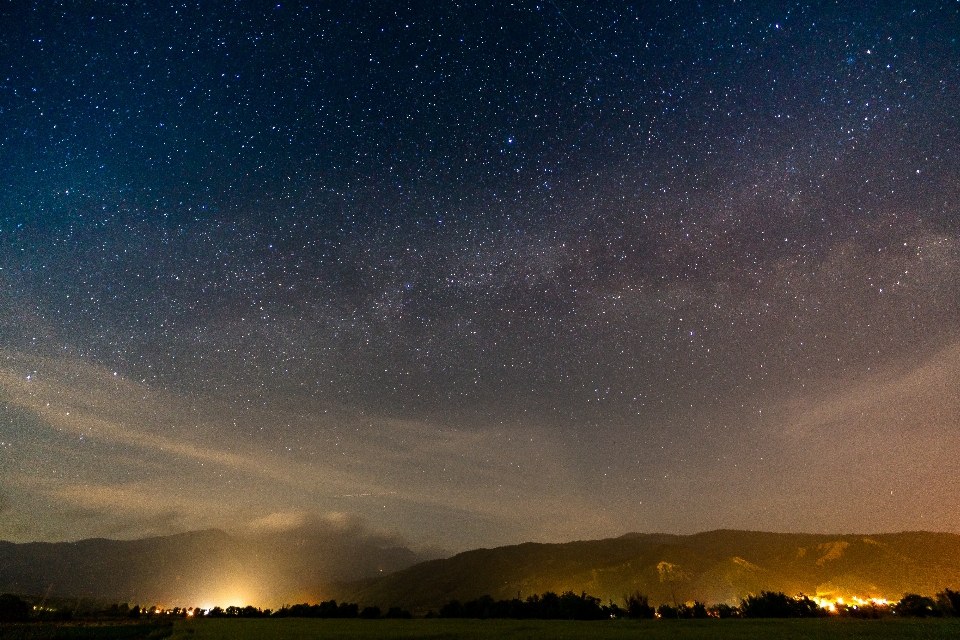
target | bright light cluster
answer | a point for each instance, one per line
(833, 605)
(178, 611)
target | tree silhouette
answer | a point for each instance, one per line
(771, 604)
(13, 609)
(370, 613)
(638, 606)
(397, 612)
(917, 606)
(949, 601)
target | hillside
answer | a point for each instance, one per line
(196, 568)
(212, 567)
(716, 566)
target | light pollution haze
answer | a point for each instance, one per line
(477, 274)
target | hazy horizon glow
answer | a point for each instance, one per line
(479, 274)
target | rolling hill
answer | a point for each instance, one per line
(713, 567)
(198, 568)
(212, 567)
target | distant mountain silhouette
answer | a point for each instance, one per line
(193, 569)
(301, 564)
(713, 567)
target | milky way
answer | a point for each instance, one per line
(479, 273)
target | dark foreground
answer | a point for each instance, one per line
(743, 629)
(307, 629)
(153, 630)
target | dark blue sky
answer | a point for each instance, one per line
(478, 273)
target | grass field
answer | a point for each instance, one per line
(311, 629)
(148, 630)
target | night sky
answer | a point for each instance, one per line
(475, 274)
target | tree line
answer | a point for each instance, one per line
(327, 609)
(549, 606)
(767, 604)
(546, 606)
(15, 609)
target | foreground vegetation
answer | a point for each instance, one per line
(567, 615)
(549, 606)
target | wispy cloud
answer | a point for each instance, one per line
(141, 454)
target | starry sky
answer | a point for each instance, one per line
(479, 273)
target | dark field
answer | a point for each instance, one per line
(312, 629)
(306, 629)
(68, 631)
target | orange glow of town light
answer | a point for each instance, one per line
(855, 602)
(237, 594)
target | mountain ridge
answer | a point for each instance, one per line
(199, 567)
(722, 565)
